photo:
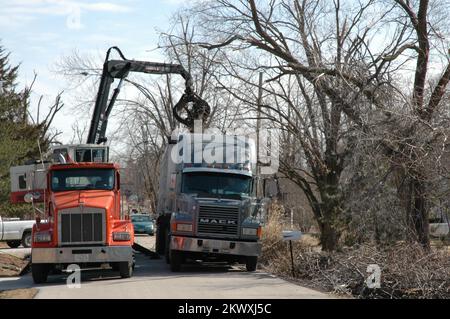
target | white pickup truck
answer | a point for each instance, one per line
(15, 231)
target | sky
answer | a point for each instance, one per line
(39, 33)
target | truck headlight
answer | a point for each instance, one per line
(42, 237)
(121, 236)
(249, 231)
(184, 227)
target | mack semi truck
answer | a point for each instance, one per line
(209, 207)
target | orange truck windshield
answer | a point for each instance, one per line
(82, 179)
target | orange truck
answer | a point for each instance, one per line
(83, 223)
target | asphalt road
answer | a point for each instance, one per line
(153, 279)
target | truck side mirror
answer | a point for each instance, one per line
(29, 198)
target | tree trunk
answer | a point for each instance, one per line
(329, 236)
(417, 212)
(330, 211)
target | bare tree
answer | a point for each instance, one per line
(43, 121)
(316, 95)
(348, 82)
(78, 133)
(204, 66)
(415, 179)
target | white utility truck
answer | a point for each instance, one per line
(14, 232)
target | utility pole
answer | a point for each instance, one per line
(258, 116)
(258, 128)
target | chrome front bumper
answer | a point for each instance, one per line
(75, 255)
(215, 246)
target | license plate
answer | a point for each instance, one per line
(81, 257)
(214, 249)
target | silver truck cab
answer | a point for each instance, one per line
(208, 203)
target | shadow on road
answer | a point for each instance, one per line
(146, 266)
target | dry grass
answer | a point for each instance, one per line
(11, 266)
(28, 293)
(407, 271)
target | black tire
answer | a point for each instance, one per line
(114, 266)
(54, 271)
(26, 239)
(39, 272)
(251, 263)
(13, 243)
(126, 269)
(162, 229)
(160, 240)
(167, 249)
(176, 260)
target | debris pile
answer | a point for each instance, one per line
(12, 266)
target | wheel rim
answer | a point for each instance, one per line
(28, 240)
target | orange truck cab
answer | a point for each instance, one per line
(83, 223)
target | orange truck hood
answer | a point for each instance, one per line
(87, 198)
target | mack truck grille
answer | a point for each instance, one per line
(218, 220)
(81, 226)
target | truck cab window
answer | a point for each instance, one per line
(22, 182)
(82, 179)
(83, 155)
(62, 151)
(216, 184)
(98, 155)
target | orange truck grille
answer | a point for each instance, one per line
(81, 225)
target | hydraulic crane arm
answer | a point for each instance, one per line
(119, 69)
